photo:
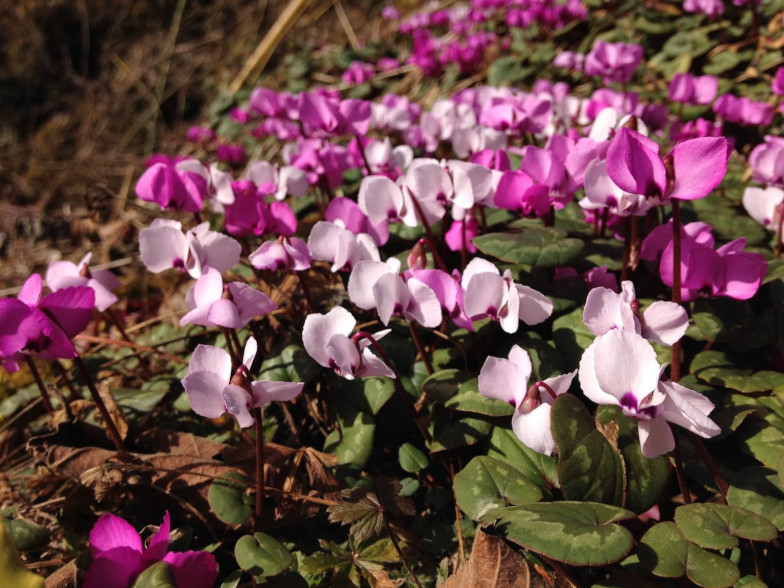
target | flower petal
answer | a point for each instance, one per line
(625, 362)
(111, 531)
(205, 393)
(193, 569)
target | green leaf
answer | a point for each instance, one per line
(12, 569)
(27, 535)
(262, 555)
(460, 430)
(721, 369)
(508, 70)
(291, 364)
(147, 397)
(158, 575)
(506, 447)
(757, 489)
(761, 439)
(411, 458)
(589, 467)
(572, 337)
(227, 497)
(646, 478)
(718, 526)
(487, 483)
(665, 552)
(540, 247)
(353, 443)
(576, 533)
(721, 62)
(459, 390)
(368, 395)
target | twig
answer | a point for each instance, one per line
(344, 22)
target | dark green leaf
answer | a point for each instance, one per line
(411, 458)
(718, 526)
(589, 467)
(460, 430)
(541, 247)
(26, 535)
(487, 483)
(227, 498)
(757, 489)
(262, 555)
(576, 533)
(541, 469)
(158, 575)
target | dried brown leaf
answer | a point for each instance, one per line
(493, 564)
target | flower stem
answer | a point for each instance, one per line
(397, 547)
(259, 416)
(40, 383)
(676, 461)
(778, 233)
(111, 428)
(675, 363)
(421, 349)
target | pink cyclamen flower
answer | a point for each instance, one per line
(285, 253)
(212, 304)
(767, 161)
(119, 556)
(615, 62)
(620, 368)
(488, 293)
(507, 380)
(163, 245)
(326, 339)
(764, 206)
(213, 391)
(44, 327)
(62, 274)
(175, 186)
(693, 90)
(331, 242)
(777, 87)
(662, 322)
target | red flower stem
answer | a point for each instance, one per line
(428, 231)
(306, 292)
(420, 348)
(675, 363)
(781, 226)
(40, 383)
(603, 225)
(676, 461)
(236, 359)
(259, 510)
(463, 244)
(362, 153)
(404, 396)
(111, 428)
(721, 483)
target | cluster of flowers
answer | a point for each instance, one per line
(619, 369)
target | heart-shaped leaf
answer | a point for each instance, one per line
(666, 553)
(262, 555)
(757, 489)
(506, 447)
(535, 246)
(227, 498)
(718, 526)
(589, 467)
(411, 458)
(576, 533)
(487, 483)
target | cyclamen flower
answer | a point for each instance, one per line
(285, 253)
(43, 327)
(507, 380)
(232, 306)
(331, 242)
(213, 391)
(764, 206)
(663, 322)
(62, 274)
(163, 245)
(326, 339)
(488, 293)
(119, 557)
(693, 90)
(175, 186)
(620, 368)
(615, 62)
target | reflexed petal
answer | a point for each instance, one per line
(61, 274)
(264, 391)
(380, 198)
(159, 543)
(111, 531)
(503, 380)
(533, 429)
(535, 307)
(72, 308)
(160, 246)
(205, 393)
(625, 362)
(193, 569)
(224, 313)
(634, 165)
(484, 295)
(31, 290)
(477, 266)
(688, 408)
(361, 281)
(249, 301)
(220, 251)
(114, 568)
(208, 288)
(343, 355)
(560, 384)
(213, 359)
(604, 311)
(699, 166)
(743, 274)
(373, 366)
(664, 322)
(251, 347)
(655, 437)
(588, 381)
(238, 402)
(391, 295)
(423, 305)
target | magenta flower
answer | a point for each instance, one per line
(43, 327)
(767, 161)
(358, 72)
(119, 557)
(212, 304)
(620, 368)
(460, 233)
(163, 245)
(777, 87)
(348, 214)
(507, 380)
(62, 274)
(615, 62)
(326, 339)
(693, 90)
(174, 186)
